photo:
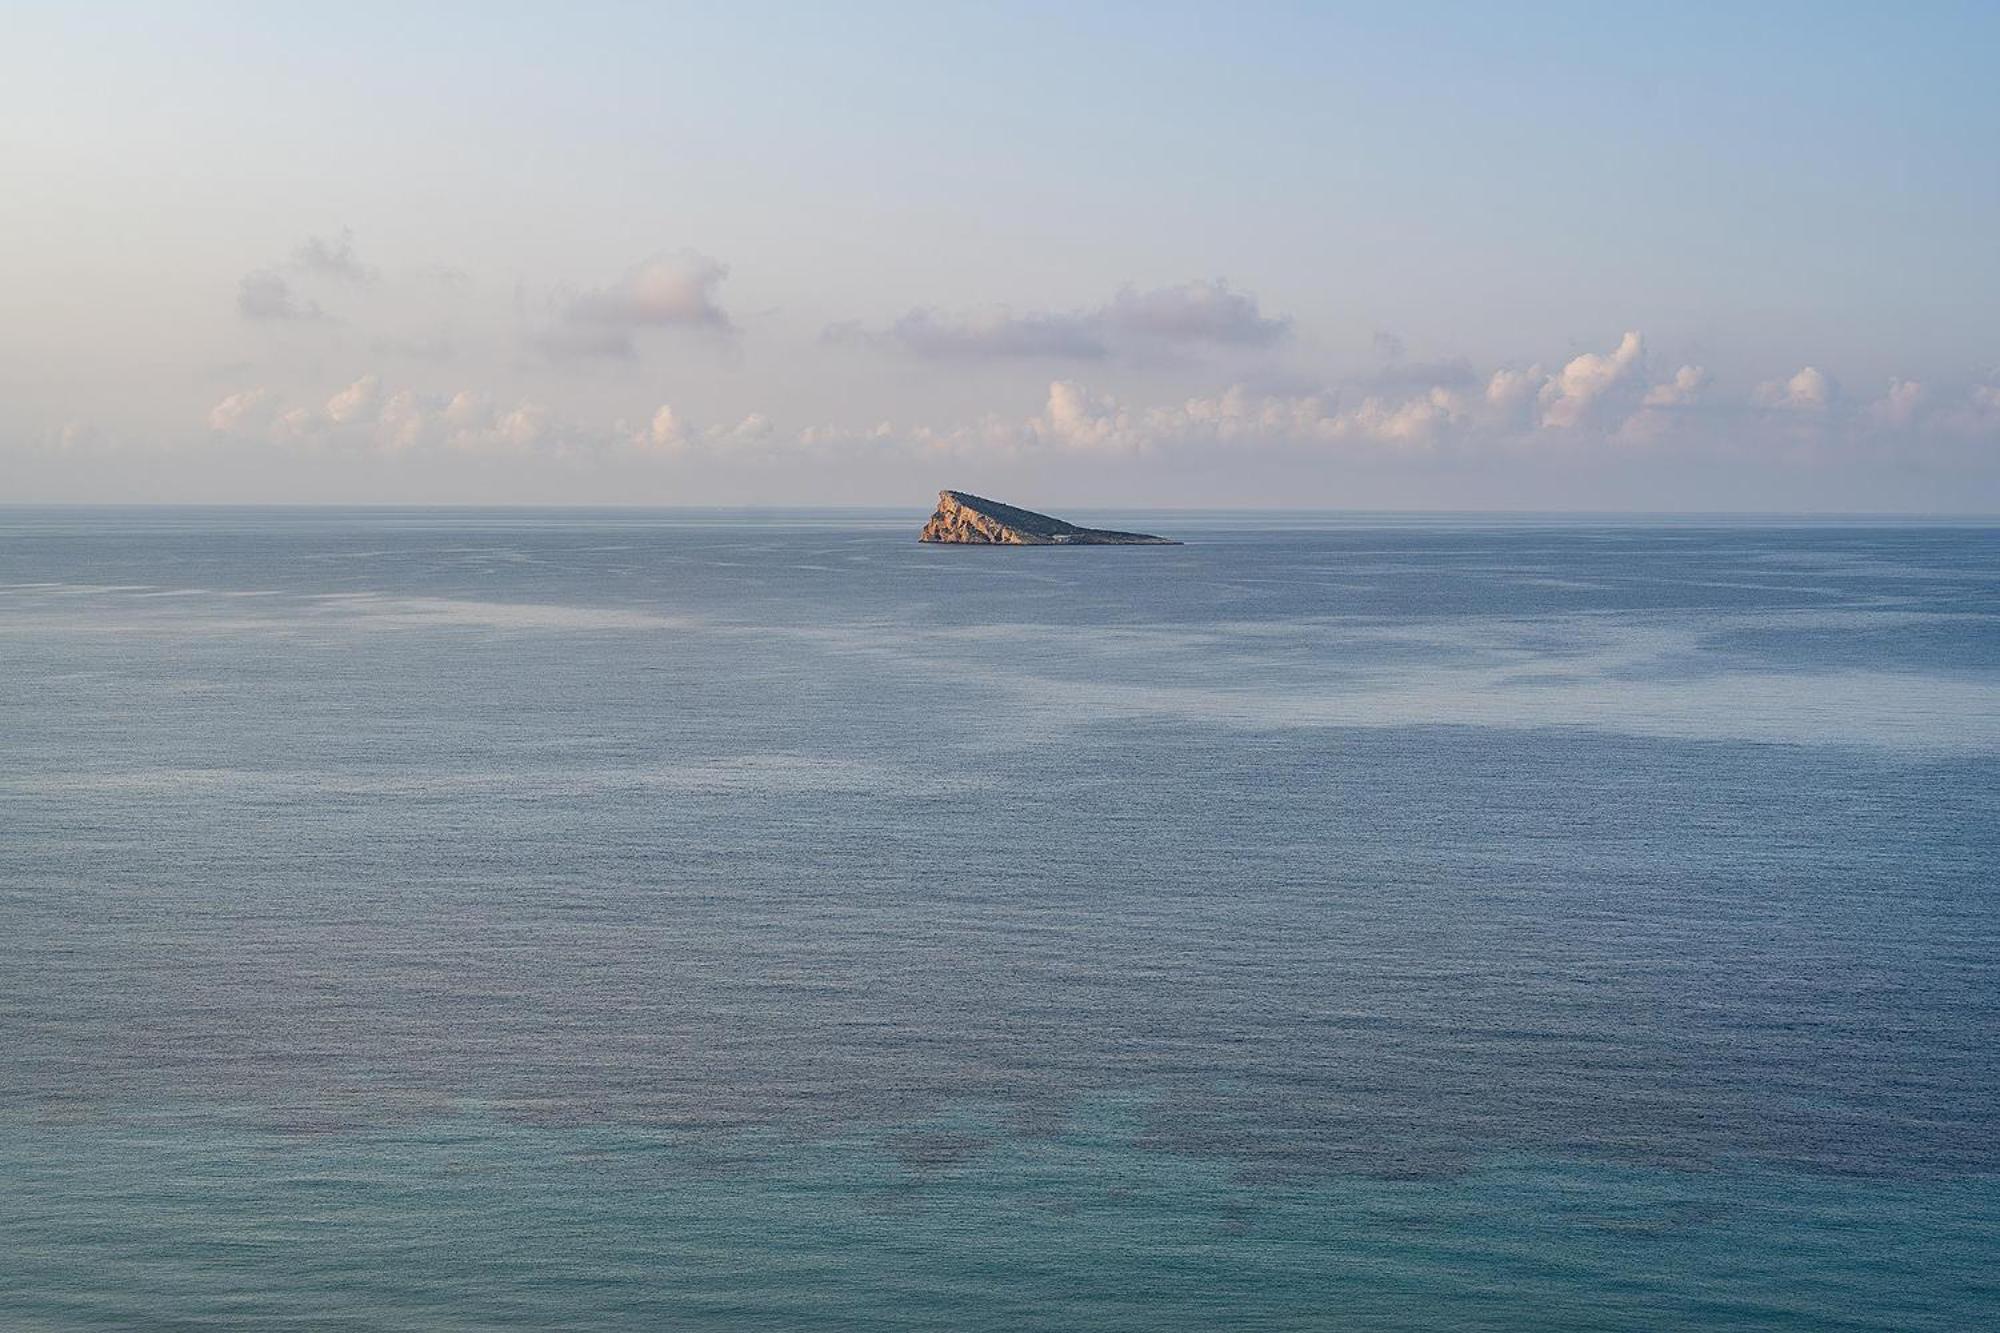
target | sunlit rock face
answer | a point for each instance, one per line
(971, 520)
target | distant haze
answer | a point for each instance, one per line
(1699, 257)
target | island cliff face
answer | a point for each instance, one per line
(971, 520)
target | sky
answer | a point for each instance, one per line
(1650, 257)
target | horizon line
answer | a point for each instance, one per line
(885, 508)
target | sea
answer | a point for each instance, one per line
(419, 919)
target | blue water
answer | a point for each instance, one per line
(473, 919)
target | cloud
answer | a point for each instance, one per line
(404, 419)
(673, 291)
(1666, 407)
(1417, 409)
(1572, 414)
(665, 433)
(365, 416)
(659, 292)
(1592, 400)
(1899, 406)
(1511, 392)
(1195, 312)
(354, 401)
(466, 408)
(333, 258)
(1974, 417)
(1807, 391)
(1078, 420)
(988, 334)
(368, 416)
(1132, 322)
(1237, 417)
(265, 295)
(1416, 421)
(77, 436)
(1569, 397)
(240, 411)
(1681, 391)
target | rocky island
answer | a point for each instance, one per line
(971, 520)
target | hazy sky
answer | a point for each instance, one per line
(1486, 256)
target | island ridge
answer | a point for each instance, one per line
(972, 520)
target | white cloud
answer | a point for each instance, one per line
(1598, 397)
(1898, 407)
(295, 423)
(364, 416)
(668, 434)
(752, 429)
(1568, 397)
(665, 433)
(355, 400)
(1594, 399)
(1414, 421)
(466, 408)
(1511, 393)
(522, 428)
(405, 421)
(1807, 391)
(1975, 417)
(243, 411)
(1681, 391)
(1194, 314)
(995, 333)
(369, 417)
(670, 291)
(1667, 408)
(76, 437)
(1078, 419)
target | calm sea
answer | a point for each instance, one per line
(543, 919)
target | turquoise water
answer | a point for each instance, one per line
(468, 1222)
(482, 919)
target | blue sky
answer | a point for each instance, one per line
(1175, 254)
